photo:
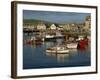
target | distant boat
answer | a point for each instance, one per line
(72, 45)
(33, 40)
(50, 37)
(57, 49)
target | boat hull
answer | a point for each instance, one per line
(54, 51)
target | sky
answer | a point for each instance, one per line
(55, 17)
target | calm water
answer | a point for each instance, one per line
(36, 56)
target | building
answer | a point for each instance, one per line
(74, 27)
(41, 26)
(53, 27)
(87, 23)
(65, 26)
(69, 27)
(29, 26)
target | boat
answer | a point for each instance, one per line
(57, 49)
(56, 35)
(49, 36)
(72, 45)
(83, 43)
(33, 40)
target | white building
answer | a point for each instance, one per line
(53, 27)
(29, 26)
(65, 26)
(41, 26)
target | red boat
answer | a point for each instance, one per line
(83, 43)
(31, 42)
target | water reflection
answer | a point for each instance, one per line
(59, 57)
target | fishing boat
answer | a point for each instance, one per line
(33, 40)
(53, 36)
(72, 45)
(57, 49)
(83, 43)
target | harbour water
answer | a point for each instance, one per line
(35, 56)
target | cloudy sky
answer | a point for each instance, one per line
(56, 17)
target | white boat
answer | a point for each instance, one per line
(72, 45)
(57, 50)
(49, 36)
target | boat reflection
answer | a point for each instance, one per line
(59, 57)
